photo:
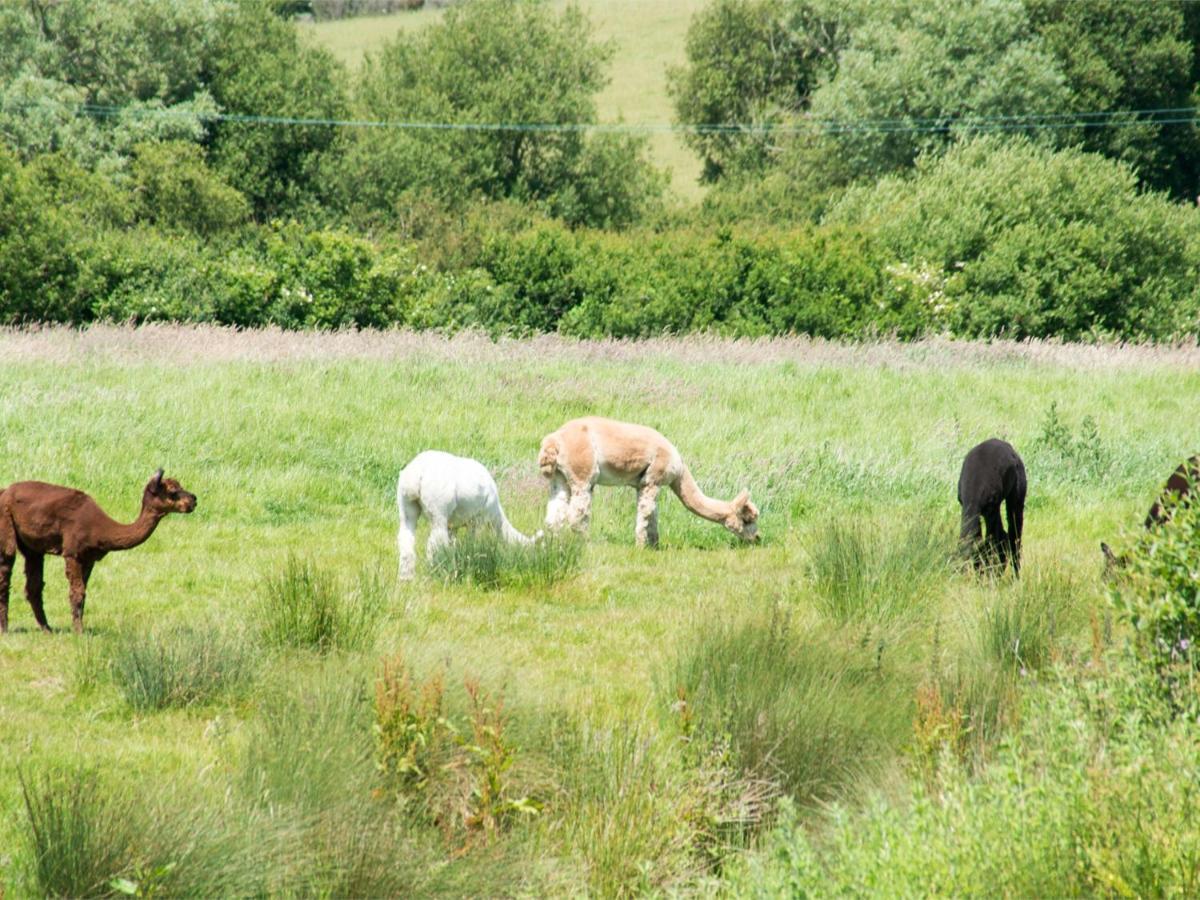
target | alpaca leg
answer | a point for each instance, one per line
(439, 536)
(969, 535)
(34, 585)
(1014, 508)
(406, 538)
(78, 592)
(646, 531)
(580, 511)
(997, 540)
(6, 569)
(559, 503)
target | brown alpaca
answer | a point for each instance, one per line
(591, 451)
(38, 518)
(1176, 492)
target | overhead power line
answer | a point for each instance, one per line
(1125, 118)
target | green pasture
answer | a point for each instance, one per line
(647, 36)
(292, 445)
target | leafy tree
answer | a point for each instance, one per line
(260, 67)
(1127, 56)
(753, 63)
(493, 62)
(903, 80)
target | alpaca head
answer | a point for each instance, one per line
(743, 518)
(166, 495)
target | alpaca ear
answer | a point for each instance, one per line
(156, 481)
(741, 499)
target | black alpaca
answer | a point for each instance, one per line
(992, 473)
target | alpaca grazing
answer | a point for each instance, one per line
(591, 451)
(1176, 492)
(451, 491)
(992, 473)
(38, 518)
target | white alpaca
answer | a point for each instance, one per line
(451, 491)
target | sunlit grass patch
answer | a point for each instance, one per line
(797, 705)
(181, 666)
(479, 557)
(865, 572)
(307, 607)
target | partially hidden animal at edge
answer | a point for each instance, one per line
(451, 491)
(38, 518)
(1176, 492)
(992, 473)
(593, 450)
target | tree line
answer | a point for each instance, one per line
(1021, 167)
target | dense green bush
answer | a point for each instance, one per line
(1032, 242)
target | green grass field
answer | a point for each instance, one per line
(647, 36)
(292, 443)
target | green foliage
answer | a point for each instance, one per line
(927, 62)
(1159, 594)
(38, 268)
(305, 607)
(260, 67)
(752, 63)
(181, 667)
(479, 557)
(493, 61)
(1033, 242)
(1118, 56)
(1100, 793)
(175, 189)
(799, 707)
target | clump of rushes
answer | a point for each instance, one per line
(479, 557)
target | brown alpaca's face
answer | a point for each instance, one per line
(166, 495)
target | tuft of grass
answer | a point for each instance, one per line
(479, 557)
(90, 836)
(797, 707)
(862, 573)
(306, 607)
(182, 666)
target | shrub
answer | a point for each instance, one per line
(306, 607)
(481, 558)
(1035, 243)
(181, 667)
(1159, 595)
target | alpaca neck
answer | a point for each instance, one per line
(695, 500)
(125, 537)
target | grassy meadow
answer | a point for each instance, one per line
(647, 36)
(620, 725)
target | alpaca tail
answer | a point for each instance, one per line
(548, 456)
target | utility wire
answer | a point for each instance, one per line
(1128, 118)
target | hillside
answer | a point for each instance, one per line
(647, 37)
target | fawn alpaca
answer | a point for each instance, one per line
(593, 450)
(992, 473)
(38, 518)
(451, 491)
